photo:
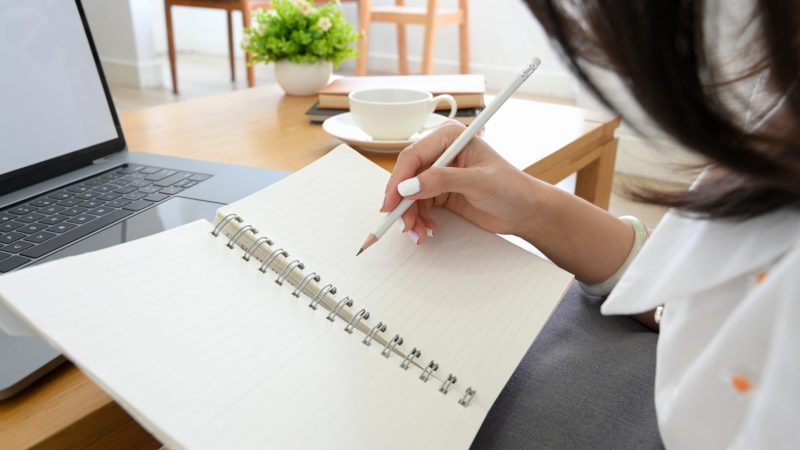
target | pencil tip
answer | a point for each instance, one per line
(360, 251)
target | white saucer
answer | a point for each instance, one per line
(343, 127)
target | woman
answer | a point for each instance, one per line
(725, 262)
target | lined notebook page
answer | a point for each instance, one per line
(208, 353)
(467, 298)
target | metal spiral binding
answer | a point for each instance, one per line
(410, 358)
(387, 350)
(379, 328)
(363, 314)
(426, 374)
(254, 247)
(451, 380)
(272, 257)
(224, 222)
(352, 324)
(304, 283)
(468, 395)
(288, 270)
(235, 238)
(329, 288)
(347, 301)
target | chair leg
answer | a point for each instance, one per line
(402, 44)
(251, 72)
(231, 53)
(430, 38)
(171, 47)
(364, 8)
(463, 36)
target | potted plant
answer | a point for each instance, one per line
(304, 42)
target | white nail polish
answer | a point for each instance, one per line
(429, 232)
(408, 187)
(414, 237)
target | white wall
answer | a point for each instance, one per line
(503, 36)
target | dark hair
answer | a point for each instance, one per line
(662, 52)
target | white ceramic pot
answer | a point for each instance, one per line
(302, 79)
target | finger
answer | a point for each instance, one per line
(423, 212)
(440, 180)
(409, 218)
(420, 232)
(417, 157)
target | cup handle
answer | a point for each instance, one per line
(446, 98)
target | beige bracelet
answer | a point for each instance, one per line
(604, 288)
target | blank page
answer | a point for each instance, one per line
(208, 353)
(467, 299)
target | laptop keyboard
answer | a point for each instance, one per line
(54, 220)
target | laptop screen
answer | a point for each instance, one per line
(52, 98)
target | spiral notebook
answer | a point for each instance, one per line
(263, 330)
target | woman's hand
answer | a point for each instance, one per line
(480, 186)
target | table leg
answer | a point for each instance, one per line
(595, 181)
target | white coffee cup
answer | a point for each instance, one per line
(393, 114)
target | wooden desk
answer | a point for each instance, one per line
(261, 127)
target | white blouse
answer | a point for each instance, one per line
(728, 362)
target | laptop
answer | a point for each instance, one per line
(68, 183)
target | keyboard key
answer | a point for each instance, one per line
(79, 188)
(9, 264)
(160, 175)
(52, 209)
(105, 188)
(140, 184)
(52, 220)
(17, 247)
(171, 190)
(137, 205)
(134, 196)
(22, 210)
(32, 228)
(60, 195)
(11, 237)
(41, 202)
(10, 226)
(81, 219)
(117, 203)
(101, 211)
(87, 195)
(62, 227)
(130, 168)
(187, 184)
(111, 176)
(172, 179)
(109, 196)
(125, 190)
(4, 255)
(94, 182)
(69, 202)
(38, 238)
(90, 204)
(6, 217)
(75, 234)
(156, 197)
(73, 211)
(199, 177)
(32, 217)
(149, 170)
(150, 189)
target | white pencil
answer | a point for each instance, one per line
(455, 148)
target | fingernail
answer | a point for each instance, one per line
(429, 232)
(414, 237)
(408, 187)
(400, 225)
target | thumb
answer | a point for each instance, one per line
(437, 181)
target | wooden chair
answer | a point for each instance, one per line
(430, 17)
(247, 7)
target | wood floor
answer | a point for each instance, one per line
(202, 75)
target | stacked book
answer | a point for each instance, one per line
(468, 91)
